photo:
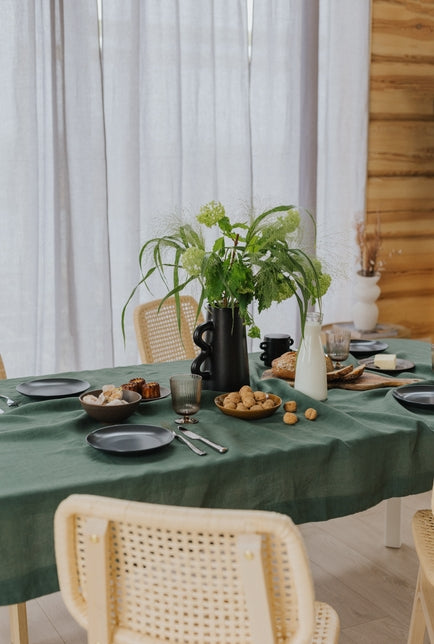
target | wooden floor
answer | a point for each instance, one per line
(370, 586)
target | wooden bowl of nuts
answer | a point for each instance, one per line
(248, 404)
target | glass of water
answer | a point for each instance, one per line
(338, 345)
(186, 391)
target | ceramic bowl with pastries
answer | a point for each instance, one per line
(285, 366)
(110, 404)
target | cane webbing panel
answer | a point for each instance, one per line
(423, 534)
(158, 336)
(175, 573)
(2, 369)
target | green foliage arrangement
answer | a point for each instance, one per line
(254, 260)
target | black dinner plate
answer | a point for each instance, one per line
(420, 396)
(401, 365)
(129, 439)
(365, 348)
(164, 392)
(52, 387)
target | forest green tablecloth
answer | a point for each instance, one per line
(364, 447)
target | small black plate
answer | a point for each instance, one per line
(164, 392)
(365, 348)
(129, 439)
(52, 387)
(421, 396)
(401, 365)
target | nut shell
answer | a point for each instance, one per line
(289, 418)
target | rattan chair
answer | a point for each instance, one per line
(157, 331)
(133, 572)
(2, 369)
(17, 612)
(422, 616)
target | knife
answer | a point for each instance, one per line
(190, 434)
(193, 448)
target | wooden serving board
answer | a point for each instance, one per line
(368, 380)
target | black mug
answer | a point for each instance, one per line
(273, 346)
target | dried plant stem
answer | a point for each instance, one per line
(369, 244)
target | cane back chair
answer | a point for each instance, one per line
(422, 617)
(133, 572)
(158, 336)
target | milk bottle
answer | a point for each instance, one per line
(311, 372)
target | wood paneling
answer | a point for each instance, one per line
(400, 185)
(401, 147)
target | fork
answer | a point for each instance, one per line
(9, 401)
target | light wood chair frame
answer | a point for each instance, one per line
(134, 572)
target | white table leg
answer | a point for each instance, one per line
(18, 624)
(392, 526)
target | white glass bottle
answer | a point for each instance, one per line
(310, 371)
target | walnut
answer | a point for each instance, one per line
(268, 404)
(248, 401)
(245, 389)
(311, 413)
(289, 418)
(229, 404)
(290, 405)
(260, 396)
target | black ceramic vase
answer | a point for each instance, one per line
(223, 361)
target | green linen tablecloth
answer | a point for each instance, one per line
(363, 447)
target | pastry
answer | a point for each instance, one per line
(135, 384)
(150, 390)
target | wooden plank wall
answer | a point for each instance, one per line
(400, 185)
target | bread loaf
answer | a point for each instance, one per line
(284, 366)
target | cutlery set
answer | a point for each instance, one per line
(187, 432)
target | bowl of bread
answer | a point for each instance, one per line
(248, 404)
(284, 367)
(110, 404)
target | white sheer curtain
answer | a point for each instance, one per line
(55, 283)
(95, 152)
(284, 78)
(176, 103)
(344, 52)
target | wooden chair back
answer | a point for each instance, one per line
(422, 616)
(137, 572)
(159, 337)
(2, 369)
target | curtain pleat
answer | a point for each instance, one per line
(55, 312)
(98, 147)
(176, 106)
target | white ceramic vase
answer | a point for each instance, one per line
(365, 310)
